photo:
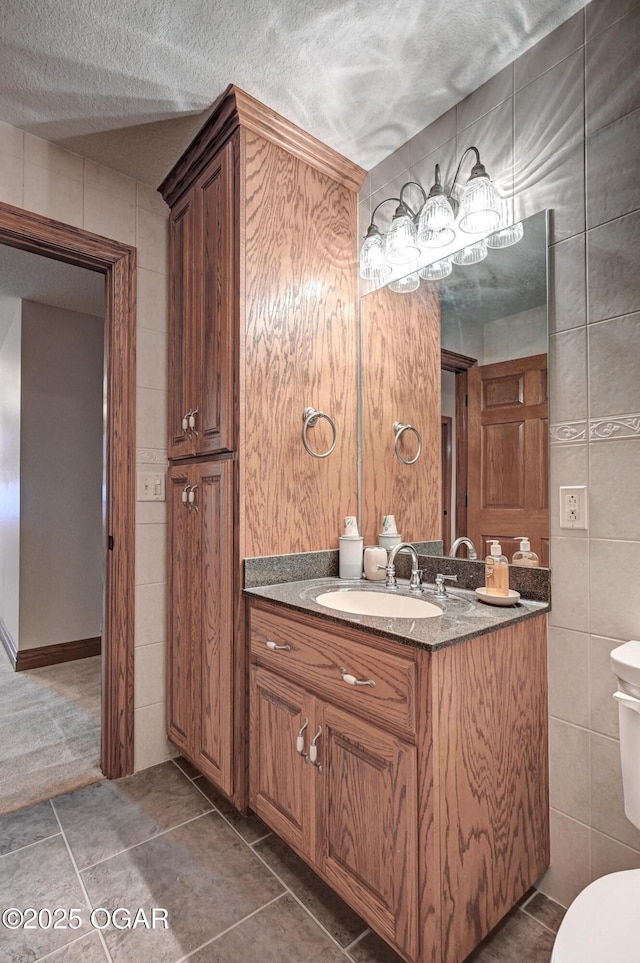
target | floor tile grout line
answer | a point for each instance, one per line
(297, 899)
(261, 840)
(536, 920)
(21, 849)
(357, 940)
(85, 936)
(163, 832)
(250, 847)
(233, 926)
(80, 880)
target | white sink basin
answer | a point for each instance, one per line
(379, 604)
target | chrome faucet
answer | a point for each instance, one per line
(463, 540)
(415, 582)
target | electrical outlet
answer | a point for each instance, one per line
(150, 486)
(573, 507)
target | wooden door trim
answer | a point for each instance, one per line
(117, 262)
(459, 364)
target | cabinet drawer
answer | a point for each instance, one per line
(315, 657)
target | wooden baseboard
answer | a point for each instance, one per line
(53, 654)
(7, 643)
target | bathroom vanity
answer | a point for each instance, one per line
(421, 798)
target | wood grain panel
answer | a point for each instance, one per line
(428, 825)
(214, 360)
(401, 382)
(281, 789)
(300, 350)
(235, 107)
(212, 603)
(368, 834)
(179, 615)
(316, 655)
(117, 262)
(492, 757)
(57, 653)
(508, 453)
(181, 324)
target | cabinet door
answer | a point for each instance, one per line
(280, 777)
(214, 354)
(181, 324)
(212, 607)
(367, 834)
(180, 626)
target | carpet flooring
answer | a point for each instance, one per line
(49, 731)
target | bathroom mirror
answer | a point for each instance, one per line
(492, 328)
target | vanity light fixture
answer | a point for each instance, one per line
(428, 233)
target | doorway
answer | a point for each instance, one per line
(117, 263)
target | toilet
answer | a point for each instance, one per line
(603, 922)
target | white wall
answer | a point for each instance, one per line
(48, 180)
(61, 542)
(517, 336)
(10, 346)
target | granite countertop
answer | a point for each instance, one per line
(464, 615)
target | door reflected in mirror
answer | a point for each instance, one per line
(494, 330)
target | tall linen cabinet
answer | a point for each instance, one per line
(263, 324)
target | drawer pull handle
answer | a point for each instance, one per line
(313, 750)
(351, 679)
(300, 740)
(270, 644)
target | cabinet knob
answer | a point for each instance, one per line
(313, 750)
(270, 644)
(351, 679)
(300, 740)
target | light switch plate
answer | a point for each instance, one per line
(573, 507)
(150, 486)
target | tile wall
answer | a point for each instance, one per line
(561, 126)
(48, 180)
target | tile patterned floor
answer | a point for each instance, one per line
(49, 730)
(232, 890)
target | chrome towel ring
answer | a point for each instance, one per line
(310, 418)
(400, 429)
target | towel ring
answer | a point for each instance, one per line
(310, 418)
(400, 429)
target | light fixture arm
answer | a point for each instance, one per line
(403, 189)
(478, 169)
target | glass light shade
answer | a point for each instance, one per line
(480, 207)
(470, 255)
(373, 265)
(435, 227)
(402, 242)
(405, 285)
(506, 237)
(437, 270)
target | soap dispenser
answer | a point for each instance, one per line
(496, 571)
(525, 556)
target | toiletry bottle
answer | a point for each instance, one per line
(496, 571)
(525, 556)
(350, 550)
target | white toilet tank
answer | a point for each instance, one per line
(625, 661)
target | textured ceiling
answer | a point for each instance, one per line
(127, 82)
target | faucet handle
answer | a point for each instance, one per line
(441, 592)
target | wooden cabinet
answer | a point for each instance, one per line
(200, 671)
(263, 323)
(431, 820)
(202, 329)
(342, 792)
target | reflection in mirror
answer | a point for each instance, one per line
(494, 331)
